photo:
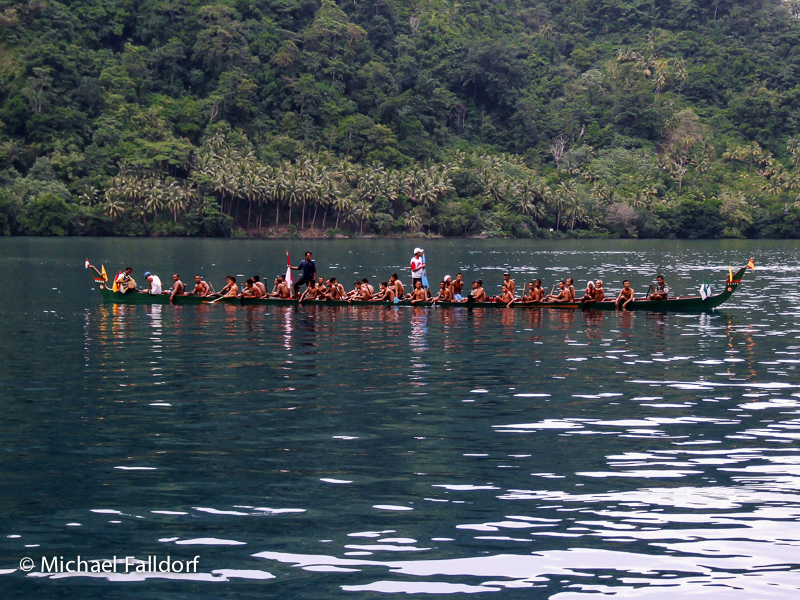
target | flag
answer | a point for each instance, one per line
(87, 263)
(103, 273)
(751, 265)
(730, 275)
(288, 270)
(424, 273)
(705, 290)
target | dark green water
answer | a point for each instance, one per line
(366, 452)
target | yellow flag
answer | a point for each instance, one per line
(103, 273)
(751, 265)
(730, 274)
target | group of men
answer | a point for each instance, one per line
(318, 288)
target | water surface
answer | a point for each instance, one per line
(321, 452)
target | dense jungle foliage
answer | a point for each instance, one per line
(649, 118)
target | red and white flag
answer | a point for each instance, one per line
(288, 270)
(87, 263)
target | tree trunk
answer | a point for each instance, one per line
(324, 216)
(303, 217)
(314, 218)
(277, 214)
(249, 208)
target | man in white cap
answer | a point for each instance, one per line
(417, 267)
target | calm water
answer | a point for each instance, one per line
(329, 452)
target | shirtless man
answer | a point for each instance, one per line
(509, 283)
(360, 293)
(563, 294)
(600, 293)
(458, 284)
(365, 282)
(478, 293)
(178, 289)
(625, 295)
(260, 285)
(538, 291)
(249, 291)
(201, 288)
(571, 286)
(444, 295)
(321, 287)
(419, 294)
(312, 292)
(231, 290)
(386, 294)
(506, 297)
(334, 290)
(282, 290)
(394, 283)
(529, 294)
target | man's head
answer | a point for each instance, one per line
(249, 283)
(599, 283)
(175, 277)
(384, 285)
(308, 255)
(279, 279)
(506, 275)
(256, 278)
(230, 279)
(660, 280)
(365, 280)
(474, 285)
(562, 284)
(569, 281)
(626, 284)
(197, 279)
(442, 285)
(504, 288)
(479, 282)
(538, 283)
(393, 277)
(333, 280)
(418, 285)
(147, 274)
(447, 279)
(459, 276)
(418, 252)
(128, 270)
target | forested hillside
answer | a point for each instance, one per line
(656, 118)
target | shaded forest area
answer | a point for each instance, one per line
(526, 118)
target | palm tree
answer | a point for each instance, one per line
(341, 204)
(114, 206)
(361, 210)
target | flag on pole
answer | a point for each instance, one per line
(705, 290)
(288, 270)
(751, 265)
(730, 275)
(424, 273)
(87, 263)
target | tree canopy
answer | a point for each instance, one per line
(667, 118)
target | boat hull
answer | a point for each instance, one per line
(687, 304)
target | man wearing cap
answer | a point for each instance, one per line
(154, 283)
(417, 267)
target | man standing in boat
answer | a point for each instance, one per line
(661, 290)
(417, 268)
(309, 269)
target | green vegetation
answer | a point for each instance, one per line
(649, 118)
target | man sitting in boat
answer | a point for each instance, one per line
(251, 290)
(506, 297)
(260, 285)
(478, 293)
(154, 283)
(538, 291)
(178, 288)
(312, 292)
(625, 295)
(394, 283)
(360, 293)
(445, 293)
(231, 290)
(529, 294)
(335, 290)
(563, 295)
(281, 289)
(386, 293)
(124, 282)
(419, 294)
(509, 283)
(201, 288)
(661, 290)
(599, 292)
(458, 285)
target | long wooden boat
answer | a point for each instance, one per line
(682, 303)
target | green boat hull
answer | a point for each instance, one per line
(683, 304)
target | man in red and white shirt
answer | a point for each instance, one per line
(417, 267)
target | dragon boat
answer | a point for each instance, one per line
(680, 303)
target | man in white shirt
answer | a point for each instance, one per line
(417, 267)
(154, 282)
